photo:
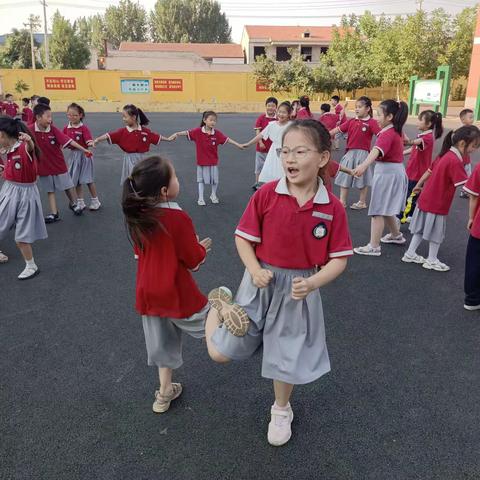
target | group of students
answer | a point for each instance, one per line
(278, 303)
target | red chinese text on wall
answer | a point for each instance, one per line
(60, 83)
(167, 84)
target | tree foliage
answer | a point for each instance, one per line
(67, 48)
(194, 21)
(17, 50)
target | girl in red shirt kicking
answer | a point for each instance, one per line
(168, 251)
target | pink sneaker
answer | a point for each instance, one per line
(279, 428)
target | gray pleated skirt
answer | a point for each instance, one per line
(389, 189)
(80, 168)
(352, 159)
(430, 226)
(52, 183)
(129, 161)
(20, 207)
(207, 175)
(292, 331)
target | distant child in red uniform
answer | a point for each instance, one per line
(295, 105)
(263, 146)
(52, 169)
(20, 205)
(34, 100)
(304, 112)
(472, 260)
(134, 139)
(467, 118)
(360, 130)
(10, 107)
(421, 152)
(327, 118)
(207, 140)
(293, 239)
(447, 173)
(81, 166)
(167, 297)
(27, 113)
(340, 111)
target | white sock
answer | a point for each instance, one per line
(433, 249)
(214, 189)
(80, 200)
(30, 263)
(201, 190)
(286, 407)
(414, 243)
(94, 198)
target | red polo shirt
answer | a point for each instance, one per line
(27, 115)
(360, 132)
(421, 156)
(329, 120)
(80, 134)
(390, 145)
(11, 109)
(448, 173)
(165, 286)
(332, 171)
(289, 236)
(50, 142)
(261, 123)
(303, 114)
(134, 140)
(207, 145)
(473, 188)
(20, 166)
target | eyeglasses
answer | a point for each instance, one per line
(299, 153)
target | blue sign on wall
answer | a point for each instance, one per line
(135, 86)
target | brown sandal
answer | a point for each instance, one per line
(162, 402)
(233, 316)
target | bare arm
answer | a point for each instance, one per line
(24, 137)
(255, 139)
(101, 138)
(423, 179)
(183, 133)
(372, 156)
(346, 170)
(261, 277)
(76, 145)
(335, 131)
(233, 142)
(408, 151)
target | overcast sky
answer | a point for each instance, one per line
(239, 12)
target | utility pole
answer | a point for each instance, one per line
(33, 24)
(47, 57)
(420, 4)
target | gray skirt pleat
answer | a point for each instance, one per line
(352, 159)
(129, 161)
(80, 168)
(430, 226)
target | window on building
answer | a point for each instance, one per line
(323, 49)
(282, 54)
(306, 53)
(257, 51)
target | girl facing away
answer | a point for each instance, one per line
(81, 166)
(280, 292)
(430, 217)
(272, 169)
(20, 205)
(134, 138)
(389, 183)
(207, 139)
(304, 112)
(360, 131)
(168, 250)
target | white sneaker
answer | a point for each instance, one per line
(29, 272)
(94, 204)
(471, 308)
(389, 238)
(368, 250)
(214, 199)
(415, 259)
(437, 265)
(201, 202)
(3, 258)
(81, 204)
(280, 426)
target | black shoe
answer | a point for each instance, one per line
(52, 218)
(76, 210)
(255, 186)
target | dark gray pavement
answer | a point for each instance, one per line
(401, 402)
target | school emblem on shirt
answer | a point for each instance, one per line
(18, 165)
(144, 139)
(78, 137)
(52, 142)
(320, 231)
(364, 129)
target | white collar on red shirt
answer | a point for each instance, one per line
(170, 205)
(456, 151)
(130, 129)
(320, 197)
(426, 132)
(384, 129)
(364, 119)
(14, 147)
(266, 116)
(204, 130)
(75, 126)
(37, 129)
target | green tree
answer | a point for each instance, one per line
(92, 32)
(325, 79)
(17, 52)
(459, 49)
(127, 22)
(67, 49)
(194, 21)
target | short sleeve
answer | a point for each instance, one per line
(250, 224)
(193, 134)
(189, 251)
(259, 122)
(333, 168)
(384, 144)
(374, 126)
(473, 184)
(221, 138)
(427, 142)
(466, 159)
(343, 127)
(153, 138)
(339, 241)
(115, 137)
(87, 134)
(62, 139)
(458, 174)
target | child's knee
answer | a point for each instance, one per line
(216, 356)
